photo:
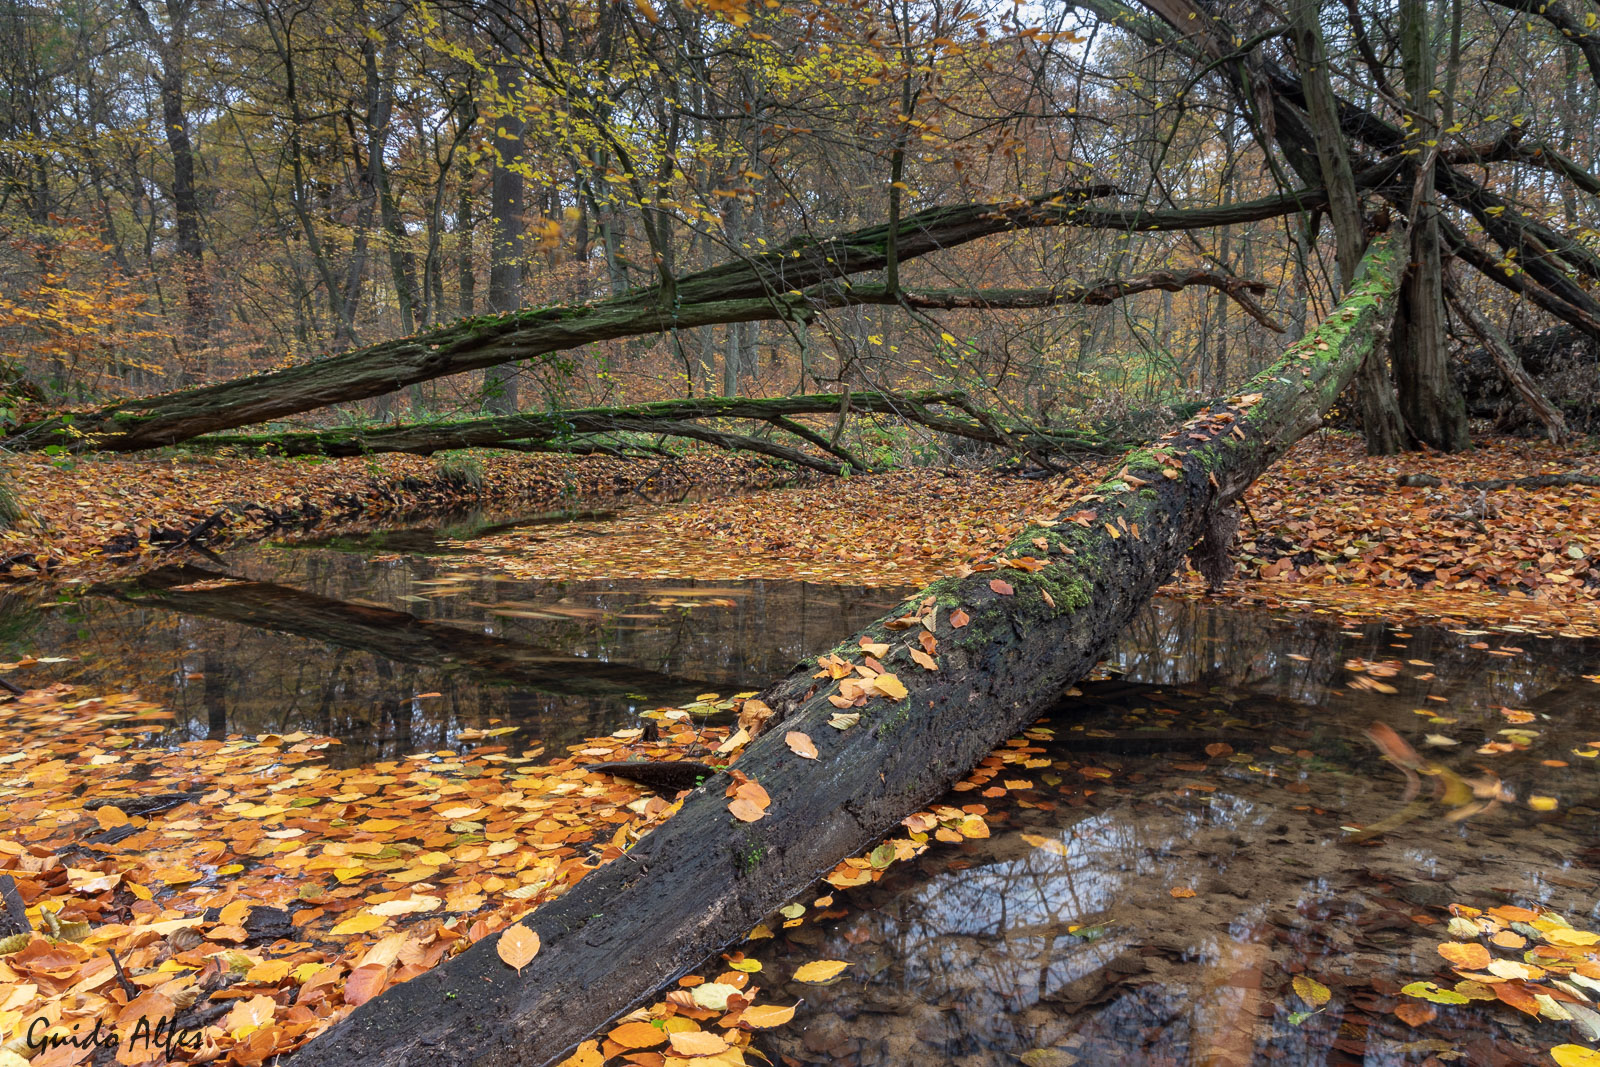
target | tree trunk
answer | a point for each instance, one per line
(1430, 404)
(1375, 398)
(751, 288)
(555, 428)
(700, 881)
(466, 269)
(506, 228)
(171, 52)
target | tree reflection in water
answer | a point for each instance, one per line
(394, 654)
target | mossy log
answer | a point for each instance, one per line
(1048, 609)
(674, 418)
(792, 282)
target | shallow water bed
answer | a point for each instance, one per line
(395, 653)
(1169, 851)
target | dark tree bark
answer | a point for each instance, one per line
(1511, 368)
(1430, 404)
(701, 880)
(1375, 396)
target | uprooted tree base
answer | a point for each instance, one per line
(1006, 640)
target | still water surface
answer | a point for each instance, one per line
(1208, 820)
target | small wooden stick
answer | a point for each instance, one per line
(122, 976)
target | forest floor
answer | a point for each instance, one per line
(1328, 528)
(103, 516)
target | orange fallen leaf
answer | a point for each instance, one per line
(745, 811)
(800, 744)
(638, 1035)
(517, 946)
(1472, 957)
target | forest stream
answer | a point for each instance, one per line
(1209, 819)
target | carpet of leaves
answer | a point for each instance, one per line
(91, 517)
(1328, 528)
(278, 893)
(898, 529)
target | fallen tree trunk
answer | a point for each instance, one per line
(789, 283)
(670, 418)
(1008, 640)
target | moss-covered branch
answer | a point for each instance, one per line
(675, 418)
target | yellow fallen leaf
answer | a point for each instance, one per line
(763, 1016)
(270, 972)
(889, 686)
(820, 970)
(360, 923)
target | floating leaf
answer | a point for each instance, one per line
(638, 1035)
(1311, 991)
(1434, 994)
(1472, 957)
(713, 996)
(820, 970)
(697, 1043)
(764, 1016)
